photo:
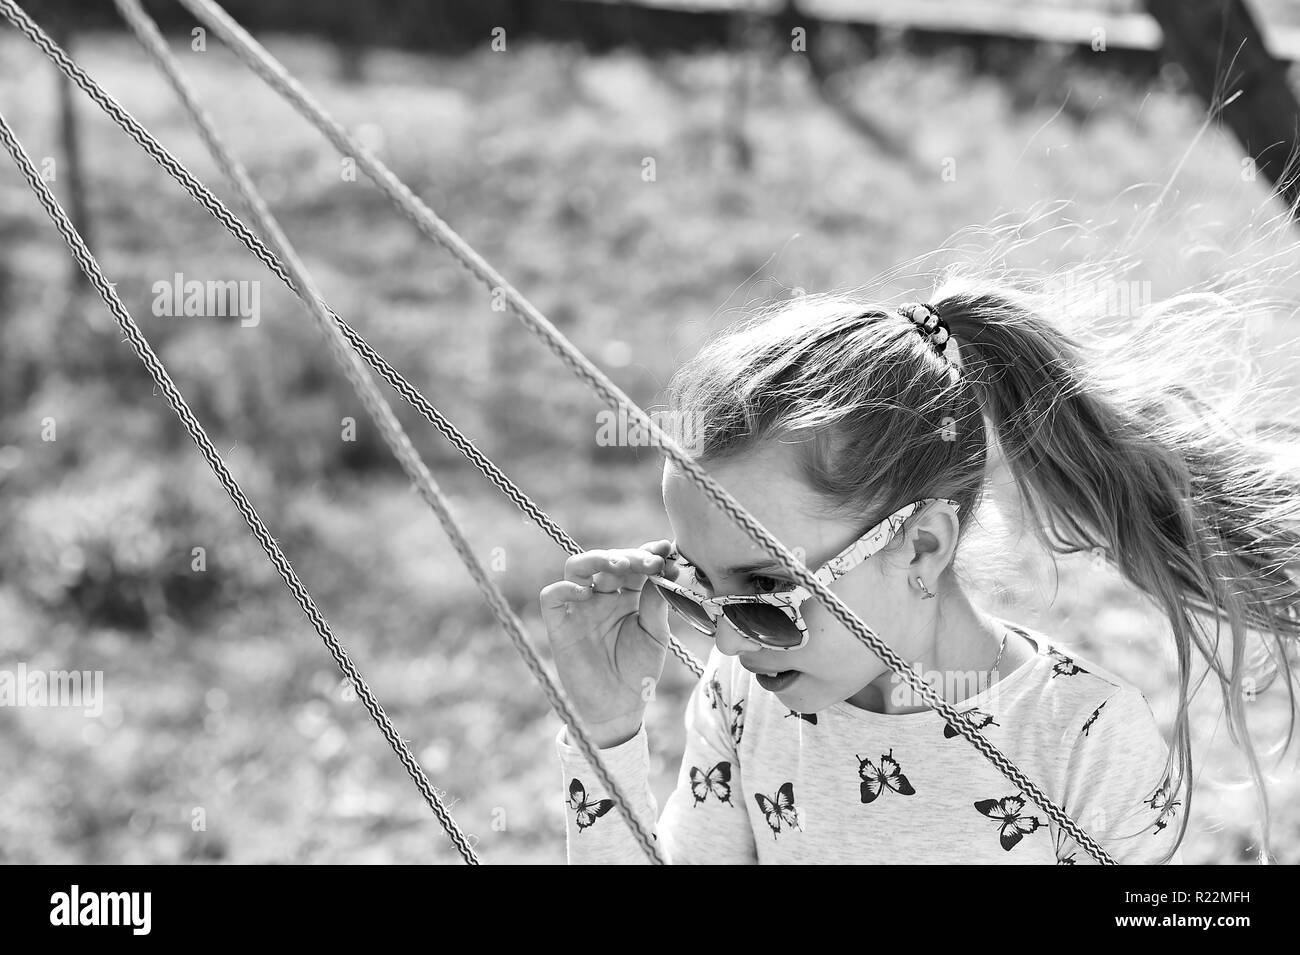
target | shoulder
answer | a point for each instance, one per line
(1072, 691)
(1096, 718)
(1114, 762)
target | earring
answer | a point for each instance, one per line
(921, 583)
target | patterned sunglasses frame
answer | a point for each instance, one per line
(787, 602)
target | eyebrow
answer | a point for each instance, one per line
(739, 568)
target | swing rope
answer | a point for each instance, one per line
(152, 40)
(402, 448)
(433, 227)
(209, 201)
(165, 384)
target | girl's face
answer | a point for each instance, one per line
(834, 665)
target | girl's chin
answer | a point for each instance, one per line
(808, 694)
(802, 696)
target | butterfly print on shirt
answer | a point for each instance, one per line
(975, 717)
(737, 721)
(1162, 803)
(1092, 719)
(780, 809)
(1007, 812)
(888, 776)
(716, 781)
(1064, 666)
(587, 811)
(713, 693)
(806, 717)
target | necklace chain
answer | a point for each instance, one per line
(1001, 648)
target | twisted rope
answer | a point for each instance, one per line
(165, 384)
(434, 228)
(209, 201)
(390, 428)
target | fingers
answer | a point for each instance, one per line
(662, 548)
(620, 572)
(653, 605)
(611, 570)
(611, 583)
(555, 596)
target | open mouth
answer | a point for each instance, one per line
(777, 682)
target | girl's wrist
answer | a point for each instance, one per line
(611, 733)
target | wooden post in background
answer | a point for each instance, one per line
(70, 168)
(1221, 47)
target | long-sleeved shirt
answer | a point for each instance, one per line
(760, 783)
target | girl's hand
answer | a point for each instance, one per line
(609, 643)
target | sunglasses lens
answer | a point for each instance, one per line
(764, 623)
(689, 609)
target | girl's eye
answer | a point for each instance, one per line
(768, 585)
(761, 584)
(700, 579)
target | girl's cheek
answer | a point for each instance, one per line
(841, 656)
(879, 616)
(839, 653)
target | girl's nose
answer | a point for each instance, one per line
(728, 640)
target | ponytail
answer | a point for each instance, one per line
(1112, 449)
(1118, 448)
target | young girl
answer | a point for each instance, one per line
(861, 436)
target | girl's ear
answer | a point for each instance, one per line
(923, 542)
(934, 534)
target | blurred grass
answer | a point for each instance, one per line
(219, 696)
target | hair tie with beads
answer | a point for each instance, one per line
(929, 323)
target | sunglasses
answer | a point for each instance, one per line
(774, 621)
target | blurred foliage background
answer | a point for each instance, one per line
(218, 694)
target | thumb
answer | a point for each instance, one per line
(653, 611)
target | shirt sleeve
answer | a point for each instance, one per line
(704, 820)
(1116, 788)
